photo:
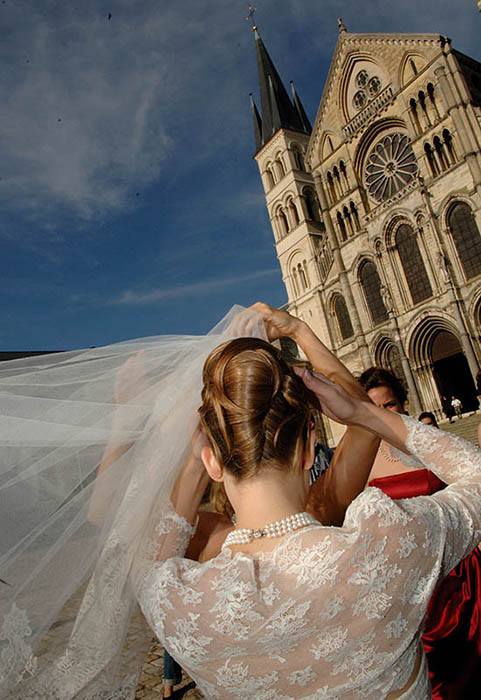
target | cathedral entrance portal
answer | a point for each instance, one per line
(451, 370)
(442, 368)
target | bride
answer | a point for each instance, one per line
(289, 608)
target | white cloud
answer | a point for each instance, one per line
(131, 297)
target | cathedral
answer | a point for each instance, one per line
(376, 207)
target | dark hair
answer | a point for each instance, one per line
(255, 410)
(374, 377)
(431, 416)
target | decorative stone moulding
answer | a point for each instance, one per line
(388, 202)
(362, 119)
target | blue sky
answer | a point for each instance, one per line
(131, 205)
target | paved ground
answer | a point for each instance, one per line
(150, 685)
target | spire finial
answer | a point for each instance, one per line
(341, 25)
(250, 16)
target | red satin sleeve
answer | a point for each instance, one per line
(422, 482)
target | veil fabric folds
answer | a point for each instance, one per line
(70, 626)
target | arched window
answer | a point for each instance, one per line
(412, 263)
(331, 145)
(283, 222)
(394, 361)
(330, 184)
(302, 276)
(422, 103)
(345, 181)
(298, 158)
(280, 167)
(269, 176)
(342, 227)
(293, 212)
(438, 145)
(347, 219)
(312, 206)
(448, 140)
(414, 112)
(432, 99)
(371, 286)
(466, 238)
(413, 66)
(343, 318)
(433, 166)
(337, 182)
(295, 282)
(355, 216)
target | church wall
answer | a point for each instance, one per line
(412, 86)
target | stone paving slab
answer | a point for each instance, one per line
(150, 681)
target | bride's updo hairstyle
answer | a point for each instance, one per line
(255, 410)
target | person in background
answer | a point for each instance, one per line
(452, 631)
(428, 418)
(448, 410)
(457, 405)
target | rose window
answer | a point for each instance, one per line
(391, 165)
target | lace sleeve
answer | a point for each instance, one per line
(458, 463)
(169, 537)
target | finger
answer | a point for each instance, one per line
(312, 379)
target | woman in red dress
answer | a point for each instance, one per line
(452, 633)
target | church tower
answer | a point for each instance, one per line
(282, 132)
(376, 212)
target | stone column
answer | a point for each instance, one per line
(413, 389)
(455, 303)
(343, 277)
(455, 110)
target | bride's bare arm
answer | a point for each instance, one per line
(346, 477)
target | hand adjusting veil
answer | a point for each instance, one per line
(69, 623)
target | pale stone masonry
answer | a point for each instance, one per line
(376, 211)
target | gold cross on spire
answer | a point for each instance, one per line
(250, 16)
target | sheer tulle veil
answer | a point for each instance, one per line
(69, 623)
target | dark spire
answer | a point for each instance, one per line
(276, 107)
(257, 121)
(300, 109)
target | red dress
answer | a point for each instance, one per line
(452, 631)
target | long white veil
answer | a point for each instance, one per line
(69, 623)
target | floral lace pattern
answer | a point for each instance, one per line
(319, 615)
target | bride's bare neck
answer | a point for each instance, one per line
(268, 497)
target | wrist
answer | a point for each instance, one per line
(301, 333)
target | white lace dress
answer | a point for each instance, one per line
(331, 612)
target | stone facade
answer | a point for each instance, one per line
(376, 214)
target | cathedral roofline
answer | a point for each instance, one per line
(345, 39)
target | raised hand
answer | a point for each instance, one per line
(131, 380)
(334, 401)
(278, 324)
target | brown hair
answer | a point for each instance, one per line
(255, 410)
(374, 377)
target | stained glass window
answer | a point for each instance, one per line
(343, 318)
(413, 265)
(371, 285)
(391, 165)
(466, 238)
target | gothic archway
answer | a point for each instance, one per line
(436, 350)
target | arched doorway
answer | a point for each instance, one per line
(451, 370)
(441, 366)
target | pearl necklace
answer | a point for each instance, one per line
(277, 529)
